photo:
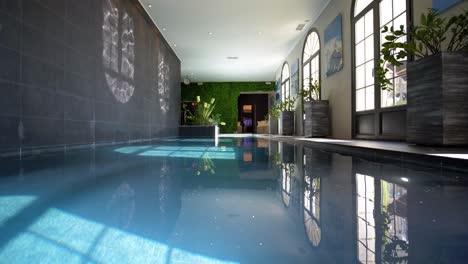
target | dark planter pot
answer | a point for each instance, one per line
(437, 110)
(199, 131)
(272, 125)
(287, 123)
(287, 153)
(317, 119)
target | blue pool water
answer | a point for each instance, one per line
(245, 200)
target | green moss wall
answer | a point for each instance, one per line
(226, 95)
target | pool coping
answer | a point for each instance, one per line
(388, 151)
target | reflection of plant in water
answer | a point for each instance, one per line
(204, 166)
(395, 250)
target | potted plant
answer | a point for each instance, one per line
(202, 122)
(316, 123)
(437, 92)
(286, 108)
(273, 116)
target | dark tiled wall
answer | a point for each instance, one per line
(83, 72)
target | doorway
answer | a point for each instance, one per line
(252, 111)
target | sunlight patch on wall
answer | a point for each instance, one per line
(118, 51)
(163, 85)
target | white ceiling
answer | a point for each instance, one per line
(236, 27)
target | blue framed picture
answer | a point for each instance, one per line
(295, 78)
(334, 46)
(441, 5)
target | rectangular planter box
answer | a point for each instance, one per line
(437, 110)
(287, 123)
(199, 131)
(272, 125)
(317, 119)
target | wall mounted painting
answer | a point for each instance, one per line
(278, 90)
(442, 5)
(295, 78)
(334, 46)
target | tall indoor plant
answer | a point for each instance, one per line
(203, 122)
(317, 118)
(437, 92)
(287, 114)
(273, 116)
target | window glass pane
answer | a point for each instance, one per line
(386, 11)
(285, 73)
(370, 98)
(359, 30)
(360, 5)
(383, 35)
(361, 100)
(399, 6)
(400, 70)
(360, 57)
(400, 21)
(369, 23)
(370, 73)
(400, 90)
(305, 76)
(387, 97)
(369, 46)
(360, 77)
(315, 43)
(312, 46)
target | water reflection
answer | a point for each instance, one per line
(269, 202)
(312, 209)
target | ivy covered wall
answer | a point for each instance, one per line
(226, 94)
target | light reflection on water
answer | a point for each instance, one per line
(243, 201)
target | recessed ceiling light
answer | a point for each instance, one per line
(232, 58)
(260, 33)
(175, 45)
(210, 33)
(164, 29)
(149, 5)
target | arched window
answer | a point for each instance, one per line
(371, 104)
(311, 61)
(285, 82)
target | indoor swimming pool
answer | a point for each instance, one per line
(238, 200)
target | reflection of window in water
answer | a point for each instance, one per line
(163, 85)
(394, 210)
(392, 224)
(312, 209)
(365, 218)
(286, 171)
(118, 51)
